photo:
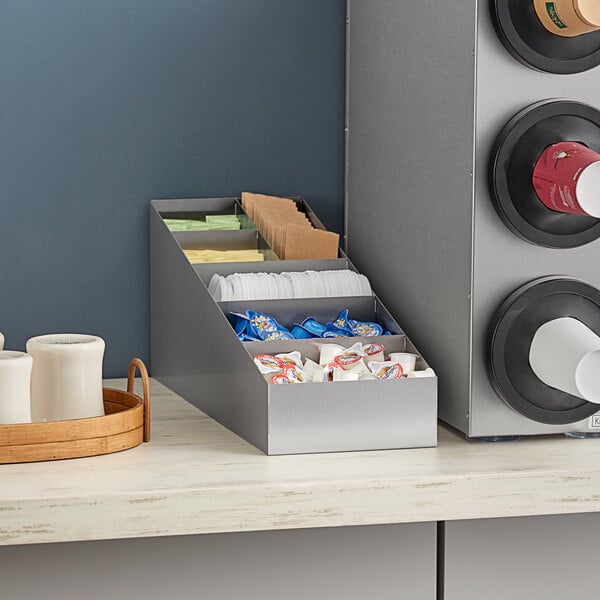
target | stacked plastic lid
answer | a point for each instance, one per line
(281, 286)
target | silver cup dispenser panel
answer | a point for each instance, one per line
(450, 109)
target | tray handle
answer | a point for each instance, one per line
(137, 363)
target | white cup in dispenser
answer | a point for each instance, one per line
(565, 354)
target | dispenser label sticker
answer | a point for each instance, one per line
(553, 14)
(595, 422)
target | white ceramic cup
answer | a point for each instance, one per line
(565, 354)
(66, 380)
(406, 359)
(1, 341)
(15, 383)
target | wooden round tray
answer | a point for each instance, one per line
(126, 424)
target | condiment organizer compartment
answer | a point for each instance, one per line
(247, 237)
(197, 354)
(323, 310)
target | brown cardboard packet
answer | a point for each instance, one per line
(274, 222)
(250, 201)
(305, 243)
(272, 215)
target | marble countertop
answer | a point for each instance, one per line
(197, 477)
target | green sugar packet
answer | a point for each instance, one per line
(185, 225)
(222, 222)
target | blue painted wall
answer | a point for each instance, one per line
(106, 104)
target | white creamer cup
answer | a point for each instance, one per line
(339, 375)
(368, 377)
(328, 352)
(66, 379)
(408, 360)
(418, 374)
(15, 383)
(387, 370)
(312, 370)
(360, 368)
(377, 356)
(565, 354)
(291, 357)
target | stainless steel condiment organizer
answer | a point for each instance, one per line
(196, 353)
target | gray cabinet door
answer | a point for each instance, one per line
(527, 558)
(383, 562)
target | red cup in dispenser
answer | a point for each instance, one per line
(566, 179)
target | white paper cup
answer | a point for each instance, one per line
(588, 190)
(406, 359)
(15, 383)
(66, 380)
(565, 354)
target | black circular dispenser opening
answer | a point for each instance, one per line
(522, 33)
(513, 329)
(514, 155)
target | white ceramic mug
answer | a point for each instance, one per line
(565, 354)
(15, 382)
(66, 380)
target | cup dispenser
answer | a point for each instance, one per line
(448, 139)
(518, 148)
(544, 355)
(558, 37)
